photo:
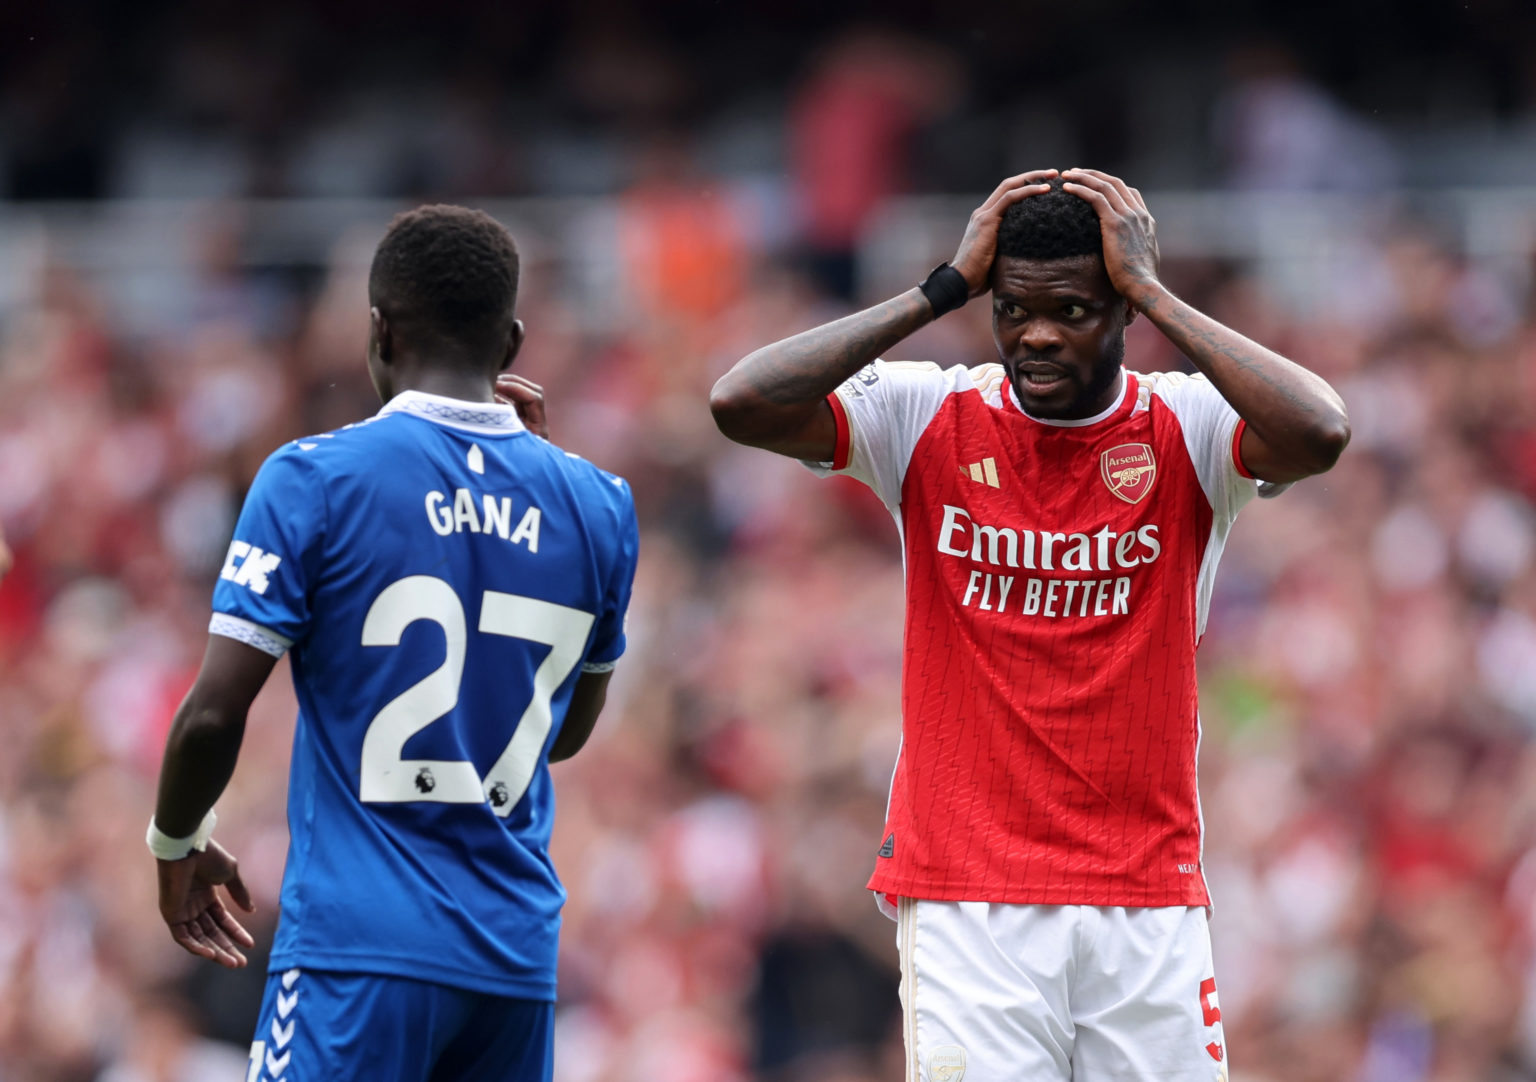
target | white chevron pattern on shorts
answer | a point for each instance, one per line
(282, 1031)
(276, 1065)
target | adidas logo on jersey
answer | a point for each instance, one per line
(983, 472)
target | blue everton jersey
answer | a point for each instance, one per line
(442, 577)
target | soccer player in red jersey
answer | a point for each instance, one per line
(1062, 518)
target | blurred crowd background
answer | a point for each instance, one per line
(189, 195)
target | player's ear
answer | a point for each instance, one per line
(380, 341)
(1130, 313)
(514, 343)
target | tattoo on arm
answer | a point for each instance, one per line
(1281, 377)
(804, 369)
(1212, 346)
(1298, 422)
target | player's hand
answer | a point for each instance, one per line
(527, 397)
(978, 247)
(1130, 234)
(190, 904)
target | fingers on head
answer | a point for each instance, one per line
(1019, 194)
(1115, 190)
(521, 392)
(1106, 200)
(1015, 187)
(1088, 178)
(1083, 191)
(1084, 179)
(1021, 178)
(1126, 193)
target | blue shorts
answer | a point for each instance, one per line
(317, 1026)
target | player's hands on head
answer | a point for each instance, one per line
(527, 397)
(978, 247)
(1130, 234)
(190, 904)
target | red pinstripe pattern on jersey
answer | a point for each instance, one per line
(1048, 759)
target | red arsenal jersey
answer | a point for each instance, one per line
(1058, 576)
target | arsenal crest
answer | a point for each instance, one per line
(1129, 470)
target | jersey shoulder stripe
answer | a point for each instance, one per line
(991, 380)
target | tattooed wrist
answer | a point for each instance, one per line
(1146, 293)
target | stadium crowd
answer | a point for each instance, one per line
(1368, 675)
(1369, 688)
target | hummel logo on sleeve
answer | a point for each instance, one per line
(252, 568)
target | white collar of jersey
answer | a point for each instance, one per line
(455, 412)
(1079, 422)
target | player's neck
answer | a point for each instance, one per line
(463, 386)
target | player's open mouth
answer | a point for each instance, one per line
(1042, 382)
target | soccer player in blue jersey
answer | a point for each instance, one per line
(451, 589)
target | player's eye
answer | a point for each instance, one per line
(1074, 311)
(1010, 310)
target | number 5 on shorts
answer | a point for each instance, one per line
(387, 777)
(1208, 1001)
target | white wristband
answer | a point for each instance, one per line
(165, 847)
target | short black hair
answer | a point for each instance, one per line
(1053, 225)
(446, 274)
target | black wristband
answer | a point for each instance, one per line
(945, 289)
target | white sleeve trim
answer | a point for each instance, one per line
(888, 405)
(263, 639)
(599, 666)
(1208, 424)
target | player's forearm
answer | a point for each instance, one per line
(777, 389)
(1295, 411)
(587, 701)
(200, 756)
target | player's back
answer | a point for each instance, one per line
(450, 575)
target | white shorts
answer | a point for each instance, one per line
(1003, 993)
